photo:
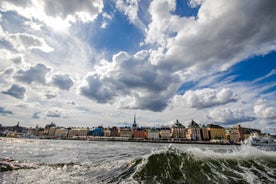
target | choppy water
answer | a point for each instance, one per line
(57, 161)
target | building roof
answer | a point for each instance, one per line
(178, 124)
(193, 124)
(213, 126)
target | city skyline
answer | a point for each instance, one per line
(90, 63)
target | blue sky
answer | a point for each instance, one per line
(89, 63)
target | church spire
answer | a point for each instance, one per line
(134, 125)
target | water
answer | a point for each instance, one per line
(61, 161)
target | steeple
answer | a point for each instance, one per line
(134, 125)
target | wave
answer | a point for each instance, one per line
(246, 165)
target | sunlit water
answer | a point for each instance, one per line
(64, 161)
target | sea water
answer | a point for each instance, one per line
(65, 161)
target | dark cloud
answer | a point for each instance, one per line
(51, 95)
(35, 73)
(8, 71)
(36, 115)
(15, 91)
(5, 112)
(17, 59)
(132, 78)
(71, 102)
(63, 81)
(53, 114)
(101, 91)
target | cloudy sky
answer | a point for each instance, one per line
(96, 62)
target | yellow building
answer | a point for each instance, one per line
(216, 132)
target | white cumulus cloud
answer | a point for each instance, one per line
(207, 97)
(263, 111)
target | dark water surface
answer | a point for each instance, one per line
(62, 161)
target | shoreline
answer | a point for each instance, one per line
(123, 139)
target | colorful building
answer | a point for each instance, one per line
(125, 132)
(139, 133)
(165, 132)
(153, 133)
(96, 132)
(216, 132)
(178, 130)
(114, 132)
(193, 131)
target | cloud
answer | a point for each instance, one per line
(15, 91)
(71, 102)
(36, 115)
(208, 41)
(53, 114)
(24, 42)
(130, 82)
(35, 73)
(8, 71)
(56, 14)
(129, 8)
(83, 10)
(63, 81)
(5, 112)
(159, 29)
(263, 111)
(207, 97)
(50, 95)
(229, 116)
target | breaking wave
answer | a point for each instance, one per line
(244, 164)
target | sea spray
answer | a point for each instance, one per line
(244, 165)
(53, 161)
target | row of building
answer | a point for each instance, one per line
(193, 132)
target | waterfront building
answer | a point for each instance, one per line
(47, 128)
(61, 133)
(193, 131)
(107, 132)
(216, 132)
(153, 133)
(96, 132)
(178, 130)
(73, 133)
(238, 133)
(125, 132)
(204, 133)
(114, 132)
(232, 135)
(165, 132)
(82, 133)
(51, 132)
(139, 133)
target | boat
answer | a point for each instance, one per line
(257, 140)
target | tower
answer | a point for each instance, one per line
(134, 125)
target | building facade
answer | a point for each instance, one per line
(193, 131)
(178, 130)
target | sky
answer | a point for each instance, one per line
(87, 63)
